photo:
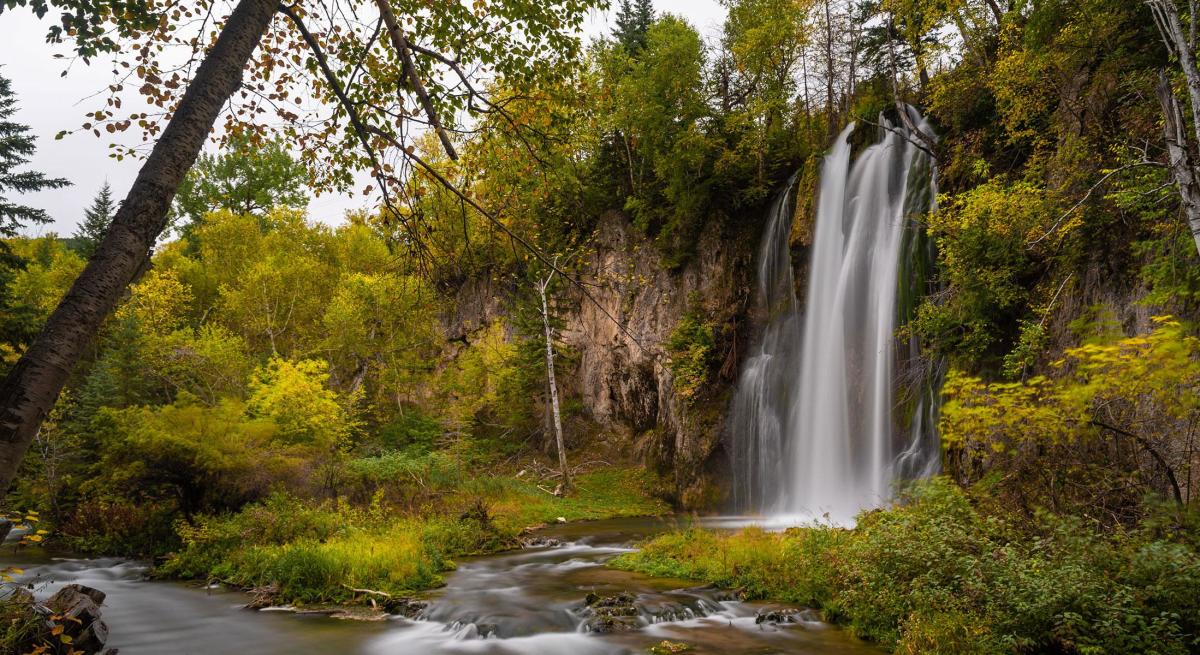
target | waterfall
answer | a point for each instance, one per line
(831, 408)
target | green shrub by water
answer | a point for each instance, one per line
(316, 552)
(938, 575)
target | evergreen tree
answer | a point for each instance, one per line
(96, 220)
(16, 148)
(634, 18)
(645, 16)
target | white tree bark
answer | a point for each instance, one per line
(1179, 151)
(543, 285)
(1181, 45)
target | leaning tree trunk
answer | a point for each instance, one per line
(34, 383)
(1181, 164)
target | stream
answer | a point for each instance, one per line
(524, 602)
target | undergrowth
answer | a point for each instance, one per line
(318, 553)
(936, 574)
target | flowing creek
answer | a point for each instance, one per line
(521, 603)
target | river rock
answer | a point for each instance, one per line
(786, 616)
(540, 542)
(406, 607)
(76, 610)
(608, 614)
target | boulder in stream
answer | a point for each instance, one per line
(67, 621)
(787, 616)
(540, 541)
(406, 607)
(608, 614)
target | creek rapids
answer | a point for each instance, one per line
(527, 602)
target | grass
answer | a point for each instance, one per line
(938, 575)
(20, 626)
(605, 493)
(788, 567)
(315, 553)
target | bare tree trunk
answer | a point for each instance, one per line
(829, 70)
(1180, 153)
(996, 11)
(1180, 44)
(553, 384)
(34, 383)
(807, 102)
(852, 70)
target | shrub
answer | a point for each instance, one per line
(278, 520)
(120, 527)
(1114, 424)
(690, 348)
(937, 574)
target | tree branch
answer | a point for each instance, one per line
(1153, 453)
(1092, 189)
(400, 43)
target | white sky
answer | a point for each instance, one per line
(49, 103)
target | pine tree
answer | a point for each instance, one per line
(96, 220)
(645, 17)
(633, 21)
(16, 148)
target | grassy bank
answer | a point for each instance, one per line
(940, 575)
(316, 553)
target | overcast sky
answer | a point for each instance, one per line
(49, 102)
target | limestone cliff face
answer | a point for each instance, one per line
(621, 374)
(624, 378)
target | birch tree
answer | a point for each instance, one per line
(543, 286)
(1181, 45)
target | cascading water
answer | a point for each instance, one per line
(817, 427)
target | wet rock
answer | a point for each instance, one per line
(406, 607)
(609, 614)
(669, 611)
(540, 542)
(74, 612)
(786, 616)
(666, 647)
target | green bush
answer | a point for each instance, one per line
(121, 528)
(936, 574)
(279, 519)
(316, 552)
(412, 431)
(690, 348)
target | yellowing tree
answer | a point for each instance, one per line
(296, 396)
(1116, 421)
